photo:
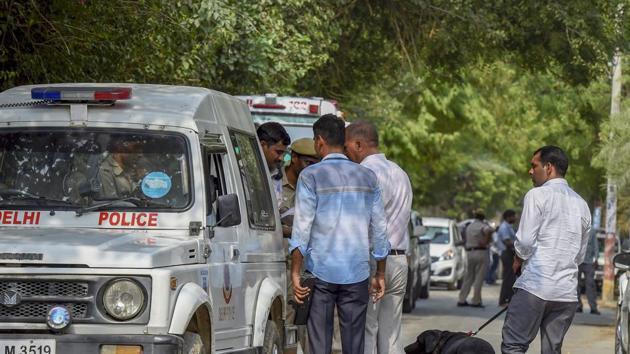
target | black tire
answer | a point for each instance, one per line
(424, 291)
(272, 343)
(193, 344)
(619, 349)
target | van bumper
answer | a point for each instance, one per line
(92, 343)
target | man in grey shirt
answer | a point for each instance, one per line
(550, 244)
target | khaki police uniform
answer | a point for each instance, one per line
(478, 235)
(286, 205)
(115, 181)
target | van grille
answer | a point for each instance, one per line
(39, 311)
(46, 288)
(28, 298)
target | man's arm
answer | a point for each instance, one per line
(305, 207)
(586, 233)
(380, 245)
(527, 235)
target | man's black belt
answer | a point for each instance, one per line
(476, 248)
(396, 252)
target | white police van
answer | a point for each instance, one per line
(296, 114)
(136, 219)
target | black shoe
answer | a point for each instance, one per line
(595, 312)
(479, 305)
(462, 304)
(579, 309)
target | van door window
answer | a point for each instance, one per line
(215, 179)
(253, 174)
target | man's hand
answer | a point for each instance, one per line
(299, 293)
(516, 265)
(377, 288)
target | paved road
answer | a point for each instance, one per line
(588, 333)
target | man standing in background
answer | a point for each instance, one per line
(588, 269)
(506, 237)
(478, 236)
(382, 329)
(550, 244)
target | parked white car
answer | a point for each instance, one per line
(448, 257)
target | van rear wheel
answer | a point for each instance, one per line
(273, 342)
(193, 344)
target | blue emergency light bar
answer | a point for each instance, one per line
(74, 94)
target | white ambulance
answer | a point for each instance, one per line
(136, 219)
(296, 114)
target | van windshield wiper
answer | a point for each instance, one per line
(8, 195)
(139, 202)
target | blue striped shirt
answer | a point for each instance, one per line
(339, 220)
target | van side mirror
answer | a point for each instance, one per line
(460, 243)
(622, 261)
(228, 211)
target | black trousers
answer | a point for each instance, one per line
(351, 301)
(507, 258)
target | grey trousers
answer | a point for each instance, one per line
(382, 328)
(589, 283)
(527, 314)
(351, 301)
(476, 272)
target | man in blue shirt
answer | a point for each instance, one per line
(339, 223)
(505, 242)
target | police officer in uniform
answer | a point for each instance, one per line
(478, 237)
(302, 155)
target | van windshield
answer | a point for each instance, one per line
(81, 168)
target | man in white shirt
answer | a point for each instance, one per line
(382, 329)
(550, 244)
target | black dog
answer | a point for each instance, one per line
(444, 342)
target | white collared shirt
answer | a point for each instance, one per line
(397, 197)
(552, 239)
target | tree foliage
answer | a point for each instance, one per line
(463, 90)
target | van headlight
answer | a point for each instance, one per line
(447, 255)
(123, 299)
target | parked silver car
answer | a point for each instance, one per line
(419, 261)
(448, 256)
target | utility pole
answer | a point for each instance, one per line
(608, 288)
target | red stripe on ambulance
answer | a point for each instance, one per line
(128, 219)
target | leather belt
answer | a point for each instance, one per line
(396, 252)
(476, 248)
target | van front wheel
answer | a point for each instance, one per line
(273, 342)
(193, 344)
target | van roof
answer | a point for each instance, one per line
(176, 106)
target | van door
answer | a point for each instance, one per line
(262, 250)
(225, 269)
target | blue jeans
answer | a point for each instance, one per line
(491, 276)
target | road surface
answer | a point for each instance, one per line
(588, 333)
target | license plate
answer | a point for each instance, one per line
(33, 346)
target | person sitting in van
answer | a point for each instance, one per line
(274, 141)
(117, 173)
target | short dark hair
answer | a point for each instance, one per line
(555, 156)
(331, 128)
(364, 130)
(508, 214)
(273, 132)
